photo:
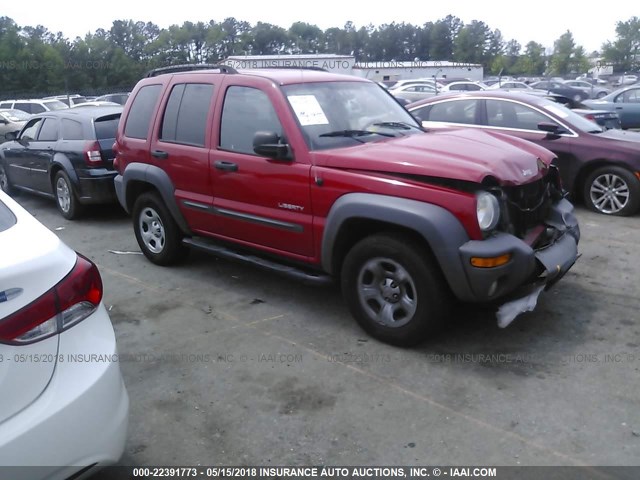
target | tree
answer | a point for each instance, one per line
(624, 52)
(567, 57)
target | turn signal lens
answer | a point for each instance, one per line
(490, 262)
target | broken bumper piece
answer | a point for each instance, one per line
(556, 259)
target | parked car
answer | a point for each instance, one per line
(603, 118)
(321, 176)
(413, 92)
(601, 167)
(464, 86)
(625, 102)
(11, 121)
(33, 106)
(590, 89)
(626, 80)
(560, 88)
(61, 409)
(65, 155)
(120, 98)
(510, 85)
(96, 103)
(68, 100)
(416, 81)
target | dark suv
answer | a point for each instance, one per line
(321, 176)
(66, 155)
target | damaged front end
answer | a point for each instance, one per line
(537, 237)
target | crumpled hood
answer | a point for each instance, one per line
(460, 154)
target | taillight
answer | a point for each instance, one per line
(590, 116)
(72, 300)
(92, 154)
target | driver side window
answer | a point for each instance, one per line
(31, 130)
(246, 111)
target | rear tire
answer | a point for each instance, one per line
(394, 290)
(612, 190)
(5, 184)
(157, 233)
(66, 199)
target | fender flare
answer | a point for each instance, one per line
(440, 229)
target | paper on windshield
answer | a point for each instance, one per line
(308, 110)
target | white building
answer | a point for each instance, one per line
(327, 61)
(381, 71)
(387, 71)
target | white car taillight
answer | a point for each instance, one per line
(72, 300)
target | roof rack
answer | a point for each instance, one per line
(189, 68)
(293, 67)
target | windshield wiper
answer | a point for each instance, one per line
(400, 125)
(354, 133)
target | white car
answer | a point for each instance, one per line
(63, 403)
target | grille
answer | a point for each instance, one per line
(528, 205)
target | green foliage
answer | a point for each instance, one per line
(35, 61)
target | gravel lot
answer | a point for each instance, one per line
(229, 365)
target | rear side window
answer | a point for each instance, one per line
(106, 127)
(7, 218)
(26, 107)
(141, 111)
(459, 111)
(49, 131)
(6, 105)
(185, 118)
(71, 130)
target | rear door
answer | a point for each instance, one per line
(627, 106)
(257, 200)
(180, 146)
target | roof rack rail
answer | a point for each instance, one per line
(189, 67)
(293, 67)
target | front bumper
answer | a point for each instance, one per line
(527, 266)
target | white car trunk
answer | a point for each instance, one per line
(32, 261)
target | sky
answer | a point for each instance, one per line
(543, 22)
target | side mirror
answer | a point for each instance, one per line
(268, 144)
(10, 136)
(3, 121)
(417, 117)
(552, 128)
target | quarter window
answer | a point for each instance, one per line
(141, 111)
(185, 117)
(71, 130)
(246, 111)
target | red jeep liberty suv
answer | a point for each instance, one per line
(321, 176)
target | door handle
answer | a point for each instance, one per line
(226, 166)
(160, 154)
(618, 108)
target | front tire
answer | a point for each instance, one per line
(66, 200)
(156, 231)
(393, 289)
(612, 190)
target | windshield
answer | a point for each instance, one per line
(578, 121)
(340, 114)
(55, 105)
(15, 115)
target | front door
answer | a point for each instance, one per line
(261, 201)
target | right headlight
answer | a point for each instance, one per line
(487, 211)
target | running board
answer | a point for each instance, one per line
(305, 276)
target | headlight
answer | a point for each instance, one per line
(487, 210)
